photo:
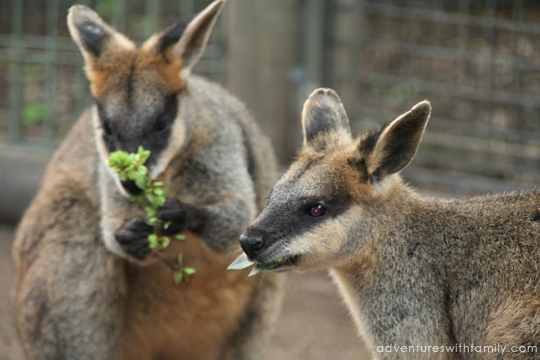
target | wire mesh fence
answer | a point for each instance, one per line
(477, 61)
(43, 88)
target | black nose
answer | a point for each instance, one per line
(252, 245)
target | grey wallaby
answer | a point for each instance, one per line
(88, 286)
(423, 277)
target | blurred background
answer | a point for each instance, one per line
(477, 61)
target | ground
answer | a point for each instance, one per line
(314, 324)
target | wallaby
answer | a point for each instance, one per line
(88, 286)
(414, 271)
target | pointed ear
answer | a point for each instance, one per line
(94, 37)
(325, 121)
(398, 142)
(186, 40)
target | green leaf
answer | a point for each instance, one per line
(165, 242)
(180, 237)
(141, 184)
(158, 183)
(34, 113)
(260, 268)
(153, 241)
(158, 191)
(240, 263)
(177, 277)
(189, 271)
(160, 200)
(180, 259)
(150, 211)
(143, 170)
(132, 174)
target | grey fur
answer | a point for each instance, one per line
(413, 270)
(76, 299)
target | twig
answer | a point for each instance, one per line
(167, 260)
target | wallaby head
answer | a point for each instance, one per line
(325, 206)
(138, 91)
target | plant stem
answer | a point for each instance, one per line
(167, 260)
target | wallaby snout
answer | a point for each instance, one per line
(253, 242)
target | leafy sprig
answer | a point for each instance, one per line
(243, 262)
(130, 166)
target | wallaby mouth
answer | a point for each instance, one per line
(257, 245)
(131, 187)
(286, 263)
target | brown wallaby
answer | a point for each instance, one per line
(423, 277)
(88, 286)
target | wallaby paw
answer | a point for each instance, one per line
(174, 213)
(133, 238)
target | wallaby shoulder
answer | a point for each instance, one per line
(69, 181)
(223, 120)
(76, 156)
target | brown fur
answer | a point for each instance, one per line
(107, 75)
(78, 295)
(413, 270)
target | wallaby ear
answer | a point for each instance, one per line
(94, 37)
(185, 41)
(324, 120)
(398, 142)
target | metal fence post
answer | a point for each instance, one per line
(50, 70)
(15, 70)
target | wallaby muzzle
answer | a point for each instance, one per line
(253, 241)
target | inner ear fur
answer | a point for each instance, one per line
(397, 143)
(186, 40)
(324, 120)
(93, 36)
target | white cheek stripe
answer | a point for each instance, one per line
(176, 142)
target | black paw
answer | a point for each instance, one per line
(133, 238)
(172, 212)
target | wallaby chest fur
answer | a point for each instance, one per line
(415, 272)
(449, 271)
(79, 294)
(67, 278)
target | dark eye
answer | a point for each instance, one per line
(161, 126)
(316, 211)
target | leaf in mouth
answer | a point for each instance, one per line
(260, 268)
(240, 263)
(243, 262)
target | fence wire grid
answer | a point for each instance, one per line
(43, 88)
(478, 62)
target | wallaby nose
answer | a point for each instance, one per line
(252, 245)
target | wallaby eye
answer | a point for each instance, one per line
(161, 126)
(316, 211)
